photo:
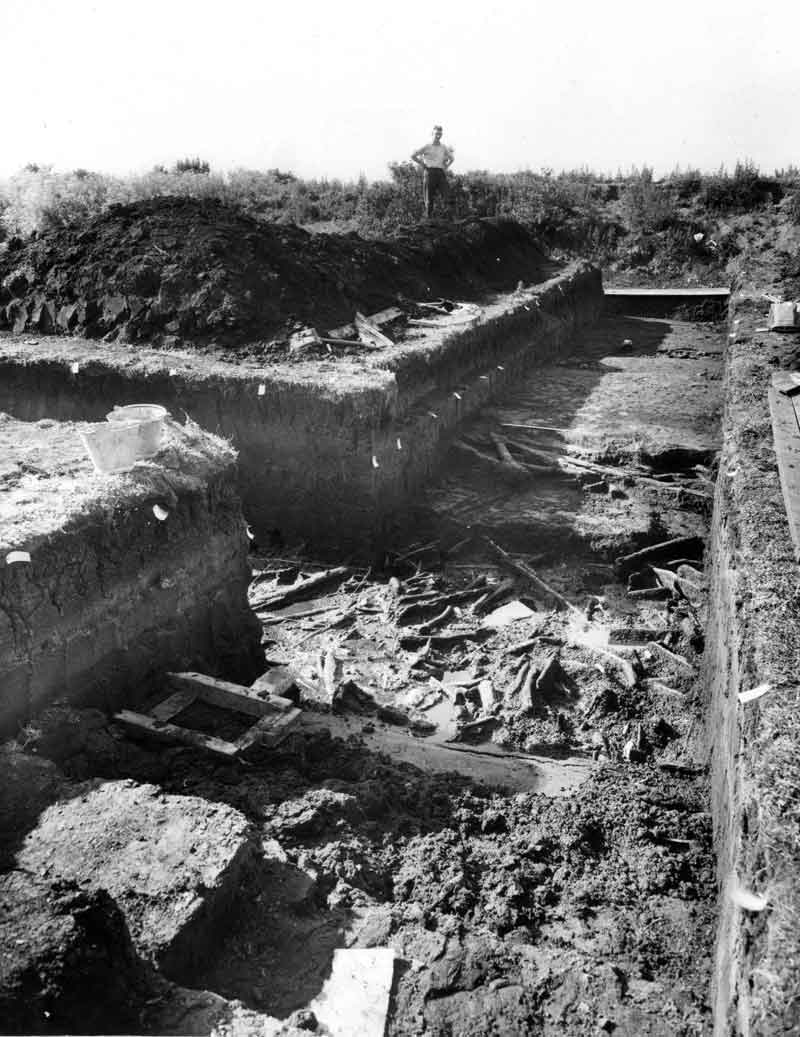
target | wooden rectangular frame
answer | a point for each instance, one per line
(273, 717)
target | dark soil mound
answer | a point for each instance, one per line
(172, 270)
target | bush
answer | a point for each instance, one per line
(192, 165)
(743, 191)
(793, 207)
(648, 207)
(37, 199)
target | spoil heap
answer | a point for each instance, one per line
(173, 270)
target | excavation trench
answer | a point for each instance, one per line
(507, 787)
(541, 862)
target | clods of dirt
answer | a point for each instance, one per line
(179, 270)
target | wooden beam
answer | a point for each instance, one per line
(141, 724)
(222, 694)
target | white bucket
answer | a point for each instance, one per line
(149, 418)
(113, 447)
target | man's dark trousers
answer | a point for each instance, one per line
(434, 181)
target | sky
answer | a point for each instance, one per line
(337, 88)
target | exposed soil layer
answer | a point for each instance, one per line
(172, 270)
(114, 592)
(754, 628)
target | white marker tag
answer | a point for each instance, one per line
(375, 462)
(399, 444)
(754, 693)
(15, 557)
(160, 513)
(745, 899)
(262, 390)
(75, 368)
(457, 395)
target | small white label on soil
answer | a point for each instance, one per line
(375, 462)
(436, 416)
(754, 693)
(500, 367)
(457, 395)
(173, 371)
(484, 377)
(74, 368)
(160, 513)
(262, 390)
(14, 557)
(250, 534)
(506, 614)
(399, 444)
(745, 899)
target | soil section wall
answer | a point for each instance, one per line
(113, 595)
(754, 638)
(327, 450)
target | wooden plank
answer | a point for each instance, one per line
(274, 682)
(787, 382)
(669, 293)
(786, 434)
(270, 730)
(308, 588)
(139, 723)
(220, 693)
(369, 334)
(385, 316)
(174, 705)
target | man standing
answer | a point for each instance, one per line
(435, 159)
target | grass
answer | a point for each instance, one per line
(571, 209)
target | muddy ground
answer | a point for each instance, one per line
(174, 271)
(519, 809)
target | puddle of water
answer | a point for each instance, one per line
(488, 763)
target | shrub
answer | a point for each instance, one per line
(192, 165)
(793, 207)
(40, 199)
(743, 191)
(647, 206)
